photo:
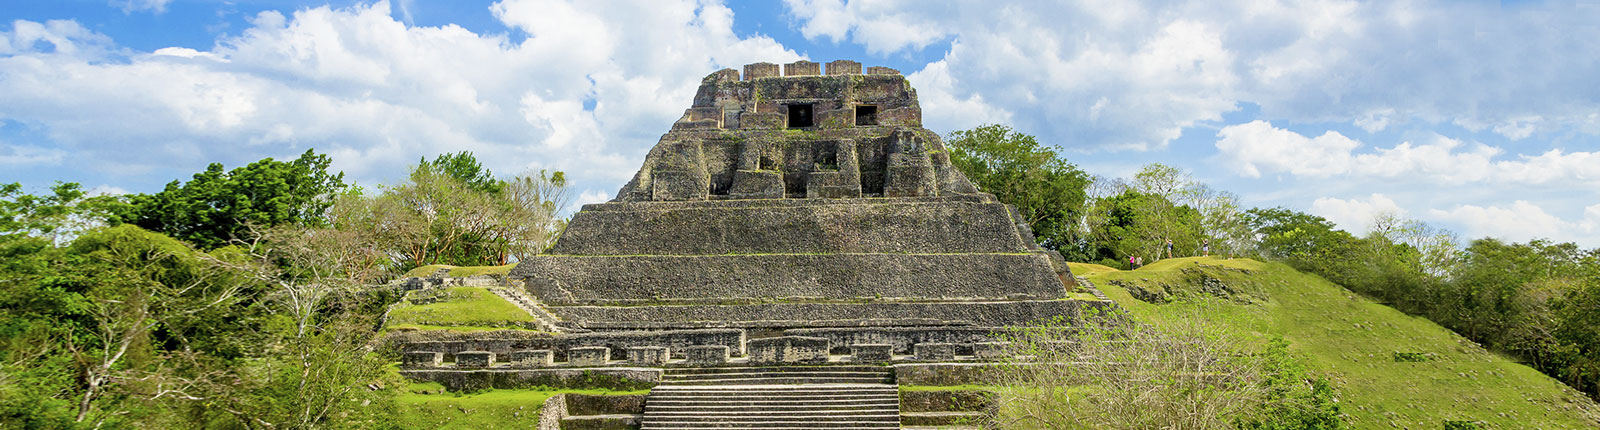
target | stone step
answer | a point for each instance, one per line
(772, 406)
(941, 418)
(769, 373)
(784, 380)
(784, 369)
(783, 404)
(818, 420)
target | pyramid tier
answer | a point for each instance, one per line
(965, 224)
(626, 280)
(809, 315)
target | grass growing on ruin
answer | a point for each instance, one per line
(1355, 341)
(428, 406)
(461, 308)
(459, 271)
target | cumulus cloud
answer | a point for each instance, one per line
(1355, 215)
(1256, 147)
(1133, 75)
(1523, 221)
(588, 91)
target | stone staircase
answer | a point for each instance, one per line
(812, 397)
(545, 320)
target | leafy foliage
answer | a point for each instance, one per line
(216, 207)
(1018, 170)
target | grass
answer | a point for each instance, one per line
(1353, 341)
(427, 406)
(459, 271)
(462, 307)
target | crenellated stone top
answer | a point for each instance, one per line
(801, 134)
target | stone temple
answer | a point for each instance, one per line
(786, 219)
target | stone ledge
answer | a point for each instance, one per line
(944, 226)
(812, 315)
(616, 378)
(642, 280)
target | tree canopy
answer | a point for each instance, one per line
(216, 206)
(1046, 189)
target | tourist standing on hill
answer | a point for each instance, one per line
(1205, 248)
(1169, 248)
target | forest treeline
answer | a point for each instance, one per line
(242, 298)
(1537, 301)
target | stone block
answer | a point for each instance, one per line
(706, 354)
(724, 75)
(757, 184)
(843, 67)
(474, 359)
(879, 70)
(871, 352)
(674, 185)
(532, 358)
(990, 350)
(788, 350)
(802, 68)
(648, 355)
(751, 120)
(588, 356)
(936, 351)
(760, 70)
(831, 185)
(421, 359)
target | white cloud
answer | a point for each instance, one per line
(28, 155)
(1355, 215)
(1524, 221)
(107, 190)
(1114, 74)
(588, 92)
(131, 6)
(1257, 147)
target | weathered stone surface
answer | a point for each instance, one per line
(945, 374)
(871, 352)
(706, 355)
(935, 351)
(880, 70)
(615, 378)
(802, 68)
(507, 342)
(843, 67)
(790, 226)
(532, 358)
(571, 280)
(990, 350)
(760, 70)
(472, 359)
(757, 184)
(902, 338)
(817, 315)
(788, 350)
(588, 356)
(648, 355)
(421, 359)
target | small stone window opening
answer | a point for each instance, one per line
(800, 116)
(866, 115)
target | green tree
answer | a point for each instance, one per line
(216, 207)
(465, 168)
(1048, 191)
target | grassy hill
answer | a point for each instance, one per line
(1393, 370)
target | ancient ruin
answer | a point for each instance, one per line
(792, 229)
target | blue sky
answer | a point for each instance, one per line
(1480, 117)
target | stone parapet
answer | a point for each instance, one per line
(706, 355)
(588, 356)
(788, 350)
(871, 352)
(474, 359)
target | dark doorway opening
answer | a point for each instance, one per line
(800, 116)
(826, 156)
(866, 115)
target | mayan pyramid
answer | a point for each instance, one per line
(798, 200)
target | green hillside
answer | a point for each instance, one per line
(1393, 370)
